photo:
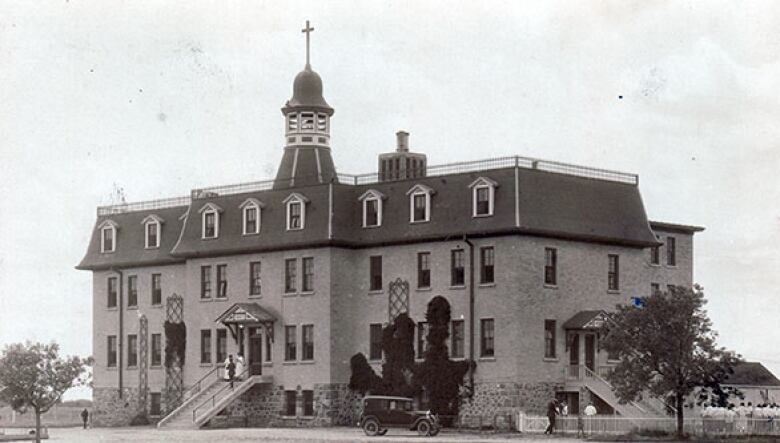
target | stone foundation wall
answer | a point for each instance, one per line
(110, 410)
(496, 404)
(264, 405)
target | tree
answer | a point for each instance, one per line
(34, 376)
(363, 378)
(666, 346)
(398, 348)
(441, 377)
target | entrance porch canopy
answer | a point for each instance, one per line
(242, 315)
(587, 320)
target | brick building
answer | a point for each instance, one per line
(300, 273)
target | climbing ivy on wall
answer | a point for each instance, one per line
(175, 342)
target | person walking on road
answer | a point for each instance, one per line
(85, 417)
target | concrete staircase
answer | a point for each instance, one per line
(581, 376)
(208, 401)
(181, 417)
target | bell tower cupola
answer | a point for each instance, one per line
(307, 159)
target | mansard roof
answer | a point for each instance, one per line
(528, 201)
(130, 241)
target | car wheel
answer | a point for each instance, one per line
(371, 427)
(434, 431)
(383, 431)
(424, 427)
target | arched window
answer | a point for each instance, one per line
(210, 220)
(372, 208)
(152, 231)
(420, 203)
(250, 211)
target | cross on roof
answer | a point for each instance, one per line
(307, 30)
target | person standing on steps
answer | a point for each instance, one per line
(230, 369)
(239, 365)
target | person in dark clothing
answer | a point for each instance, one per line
(85, 417)
(552, 410)
(231, 369)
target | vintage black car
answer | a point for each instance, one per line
(382, 412)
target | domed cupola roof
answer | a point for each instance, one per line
(307, 92)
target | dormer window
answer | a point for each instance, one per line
(250, 210)
(152, 228)
(372, 208)
(420, 203)
(107, 236)
(483, 191)
(210, 220)
(296, 211)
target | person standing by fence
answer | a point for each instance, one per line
(552, 410)
(590, 416)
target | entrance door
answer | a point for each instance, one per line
(590, 352)
(255, 354)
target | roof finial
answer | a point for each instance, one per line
(307, 30)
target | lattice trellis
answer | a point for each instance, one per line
(143, 366)
(174, 389)
(398, 298)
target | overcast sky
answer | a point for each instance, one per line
(160, 98)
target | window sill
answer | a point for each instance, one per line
(375, 361)
(375, 291)
(151, 247)
(132, 308)
(307, 417)
(155, 367)
(289, 417)
(157, 306)
(294, 229)
(111, 308)
(209, 238)
(549, 286)
(290, 294)
(458, 358)
(487, 359)
(613, 291)
(417, 222)
(481, 215)
(613, 362)
(307, 362)
(111, 368)
(289, 363)
(268, 364)
(305, 293)
(249, 234)
(655, 265)
(221, 298)
(424, 289)
(132, 368)
(551, 359)
(205, 300)
(457, 286)
(107, 252)
(487, 285)
(372, 226)
(671, 266)
(255, 296)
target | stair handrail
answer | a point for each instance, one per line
(213, 397)
(198, 384)
(186, 401)
(591, 374)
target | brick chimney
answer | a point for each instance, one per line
(402, 141)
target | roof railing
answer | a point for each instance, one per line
(370, 178)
